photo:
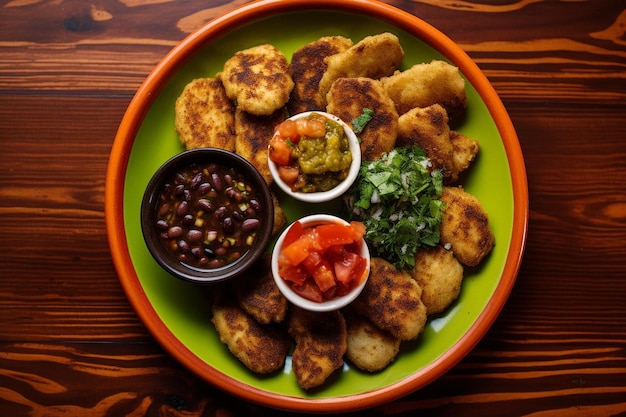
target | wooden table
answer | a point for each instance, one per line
(70, 343)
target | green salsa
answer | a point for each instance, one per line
(323, 161)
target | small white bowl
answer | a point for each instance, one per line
(341, 188)
(329, 305)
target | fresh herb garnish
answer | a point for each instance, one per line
(358, 124)
(397, 198)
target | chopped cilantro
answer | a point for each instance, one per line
(398, 199)
(358, 124)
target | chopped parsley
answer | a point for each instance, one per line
(398, 199)
(358, 124)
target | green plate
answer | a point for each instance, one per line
(177, 312)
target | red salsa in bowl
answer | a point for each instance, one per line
(207, 215)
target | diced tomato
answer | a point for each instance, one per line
(295, 231)
(334, 234)
(298, 250)
(324, 276)
(312, 261)
(350, 268)
(280, 151)
(308, 290)
(295, 274)
(359, 230)
(312, 127)
(288, 174)
(288, 130)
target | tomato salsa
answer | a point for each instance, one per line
(323, 262)
(312, 153)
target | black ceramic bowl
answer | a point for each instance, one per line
(207, 215)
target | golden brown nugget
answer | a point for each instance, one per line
(373, 57)
(258, 295)
(253, 134)
(348, 97)
(320, 345)
(428, 129)
(261, 348)
(465, 226)
(392, 300)
(440, 275)
(422, 85)
(280, 218)
(257, 79)
(204, 116)
(465, 150)
(307, 67)
(369, 348)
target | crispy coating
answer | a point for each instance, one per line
(258, 79)
(204, 116)
(320, 345)
(307, 67)
(280, 218)
(440, 275)
(261, 348)
(348, 97)
(392, 300)
(465, 150)
(253, 134)
(373, 57)
(425, 84)
(428, 128)
(369, 348)
(465, 226)
(258, 295)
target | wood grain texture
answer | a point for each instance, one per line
(70, 343)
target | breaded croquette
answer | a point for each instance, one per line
(373, 57)
(425, 84)
(320, 345)
(307, 67)
(392, 300)
(258, 295)
(465, 226)
(369, 348)
(253, 134)
(347, 99)
(204, 116)
(440, 275)
(257, 79)
(261, 348)
(428, 128)
(280, 218)
(465, 150)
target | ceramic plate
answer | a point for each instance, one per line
(177, 313)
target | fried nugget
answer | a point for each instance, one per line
(348, 97)
(465, 150)
(440, 275)
(204, 116)
(280, 218)
(307, 67)
(465, 226)
(428, 128)
(258, 79)
(422, 85)
(261, 348)
(373, 57)
(392, 300)
(258, 295)
(369, 348)
(320, 345)
(253, 134)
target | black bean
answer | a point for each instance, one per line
(238, 215)
(228, 179)
(221, 251)
(188, 220)
(249, 225)
(205, 204)
(196, 180)
(204, 188)
(221, 212)
(217, 182)
(194, 235)
(196, 251)
(165, 207)
(162, 224)
(227, 225)
(179, 189)
(183, 246)
(183, 208)
(250, 212)
(175, 231)
(215, 263)
(255, 205)
(187, 195)
(209, 252)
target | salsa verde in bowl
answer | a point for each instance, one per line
(314, 157)
(207, 215)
